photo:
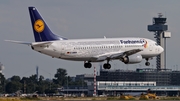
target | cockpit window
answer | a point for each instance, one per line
(156, 44)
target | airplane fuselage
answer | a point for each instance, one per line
(86, 49)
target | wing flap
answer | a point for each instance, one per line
(116, 55)
(111, 55)
(130, 52)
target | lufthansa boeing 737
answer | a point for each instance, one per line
(128, 50)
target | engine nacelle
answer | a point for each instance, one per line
(135, 58)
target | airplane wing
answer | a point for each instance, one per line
(116, 55)
(40, 44)
(130, 52)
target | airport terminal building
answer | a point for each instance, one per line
(113, 82)
(164, 82)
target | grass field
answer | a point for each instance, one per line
(77, 98)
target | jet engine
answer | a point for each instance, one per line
(135, 58)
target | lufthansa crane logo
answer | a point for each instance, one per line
(39, 26)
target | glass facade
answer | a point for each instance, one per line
(162, 78)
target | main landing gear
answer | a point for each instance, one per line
(147, 63)
(89, 65)
(107, 65)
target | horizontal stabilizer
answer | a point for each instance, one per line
(31, 43)
(19, 42)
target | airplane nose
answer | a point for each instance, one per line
(161, 49)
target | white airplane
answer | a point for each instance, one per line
(128, 50)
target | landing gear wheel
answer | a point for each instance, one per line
(107, 66)
(147, 63)
(87, 65)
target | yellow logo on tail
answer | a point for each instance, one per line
(39, 26)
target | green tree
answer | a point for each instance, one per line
(30, 83)
(41, 78)
(2, 83)
(33, 78)
(30, 87)
(42, 85)
(24, 79)
(60, 77)
(12, 87)
(15, 78)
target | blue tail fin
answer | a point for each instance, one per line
(40, 28)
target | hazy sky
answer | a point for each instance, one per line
(81, 19)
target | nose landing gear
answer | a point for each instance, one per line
(147, 63)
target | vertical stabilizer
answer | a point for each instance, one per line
(40, 28)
